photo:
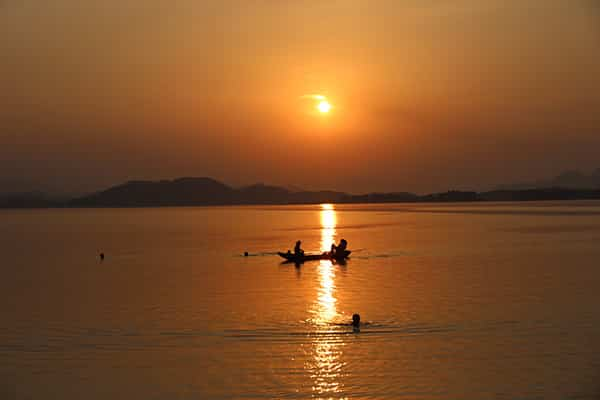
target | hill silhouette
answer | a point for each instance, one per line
(573, 179)
(199, 191)
(205, 191)
(177, 192)
(27, 200)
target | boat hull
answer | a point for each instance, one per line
(313, 257)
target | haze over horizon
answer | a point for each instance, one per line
(425, 95)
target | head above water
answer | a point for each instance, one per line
(356, 320)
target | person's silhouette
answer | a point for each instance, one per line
(356, 323)
(298, 249)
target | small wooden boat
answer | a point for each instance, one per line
(312, 257)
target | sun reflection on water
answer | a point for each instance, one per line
(326, 365)
(325, 309)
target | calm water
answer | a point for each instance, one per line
(462, 302)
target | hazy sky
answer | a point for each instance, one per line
(427, 94)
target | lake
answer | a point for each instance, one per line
(464, 301)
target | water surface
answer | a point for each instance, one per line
(469, 301)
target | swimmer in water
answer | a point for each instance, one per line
(356, 320)
(355, 324)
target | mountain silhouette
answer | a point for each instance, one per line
(177, 192)
(207, 191)
(573, 179)
(27, 200)
(198, 191)
(263, 194)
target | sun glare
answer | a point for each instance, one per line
(324, 106)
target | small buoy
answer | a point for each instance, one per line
(102, 256)
(245, 254)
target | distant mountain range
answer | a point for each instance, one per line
(208, 191)
(198, 191)
(28, 200)
(568, 180)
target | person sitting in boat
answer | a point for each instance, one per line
(332, 251)
(298, 250)
(341, 248)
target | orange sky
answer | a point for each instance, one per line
(427, 94)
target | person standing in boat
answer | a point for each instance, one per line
(298, 250)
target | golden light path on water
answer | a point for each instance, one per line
(326, 366)
(326, 300)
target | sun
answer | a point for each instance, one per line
(323, 106)
(318, 101)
